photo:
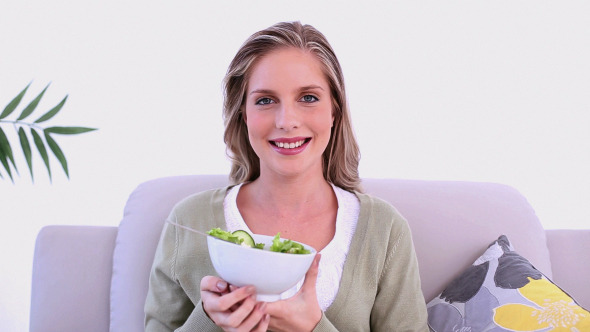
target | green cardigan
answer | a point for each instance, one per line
(379, 289)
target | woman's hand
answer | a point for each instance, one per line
(235, 310)
(301, 312)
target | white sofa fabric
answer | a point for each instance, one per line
(89, 278)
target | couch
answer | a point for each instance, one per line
(95, 278)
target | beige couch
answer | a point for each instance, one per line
(96, 278)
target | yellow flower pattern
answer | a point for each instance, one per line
(554, 309)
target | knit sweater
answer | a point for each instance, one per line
(379, 289)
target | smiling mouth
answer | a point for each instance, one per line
(291, 145)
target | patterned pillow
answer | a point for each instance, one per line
(502, 291)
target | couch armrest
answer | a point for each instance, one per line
(72, 270)
(570, 262)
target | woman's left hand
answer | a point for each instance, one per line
(301, 312)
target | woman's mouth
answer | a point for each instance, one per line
(287, 145)
(290, 146)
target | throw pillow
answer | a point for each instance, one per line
(503, 291)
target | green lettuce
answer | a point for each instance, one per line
(287, 246)
(224, 235)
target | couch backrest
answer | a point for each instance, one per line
(139, 232)
(452, 223)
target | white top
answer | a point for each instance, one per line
(333, 255)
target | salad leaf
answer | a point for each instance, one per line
(227, 236)
(231, 237)
(287, 246)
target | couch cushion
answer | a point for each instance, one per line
(137, 238)
(451, 221)
(569, 248)
(71, 272)
(503, 291)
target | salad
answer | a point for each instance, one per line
(245, 239)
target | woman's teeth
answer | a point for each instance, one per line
(289, 145)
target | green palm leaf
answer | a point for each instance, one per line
(7, 150)
(24, 142)
(57, 152)
(4, 161)
(52, 112)
(42, 150)
(32, 105)
(14, 103)
(68, 130)
(41, 141)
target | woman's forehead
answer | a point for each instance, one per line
(287, 68)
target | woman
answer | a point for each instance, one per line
(295, 171)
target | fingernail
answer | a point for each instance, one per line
(221, 285)
(250, 289)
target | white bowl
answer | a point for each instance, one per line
(270, 272)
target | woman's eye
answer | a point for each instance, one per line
(264, 101)
(309, 99)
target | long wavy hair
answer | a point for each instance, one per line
(341, 158)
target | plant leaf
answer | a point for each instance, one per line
(32, 105)
(68, 130)
(4, 161)
(24, 143)
(5, 144)
(52, 112)
(13, 103)
(42, 151)
(57, 152)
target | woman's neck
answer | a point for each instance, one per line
(302, 209)
(288, 197)
(290, 192)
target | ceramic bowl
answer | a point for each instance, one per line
(270, 272)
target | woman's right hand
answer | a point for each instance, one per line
(235, 309)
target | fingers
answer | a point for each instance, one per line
(263, 324)
(233, 308)
(301, 312)
(214, 284)
(238, 318)
(312, 274)
(227, 301)
(255, 320)
(249, 316)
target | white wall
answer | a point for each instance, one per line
(491, 91)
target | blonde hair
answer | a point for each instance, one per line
(341, 157)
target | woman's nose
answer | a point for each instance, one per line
(287, 117)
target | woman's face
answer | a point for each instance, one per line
(288, 112)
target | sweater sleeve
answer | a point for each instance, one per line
(324, 325)
(198, 321)
(167, 306)
(399, 302)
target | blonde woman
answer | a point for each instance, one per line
(295, 171)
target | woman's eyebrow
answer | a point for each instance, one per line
(303, 88)
(262, 91)
(310, 87)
